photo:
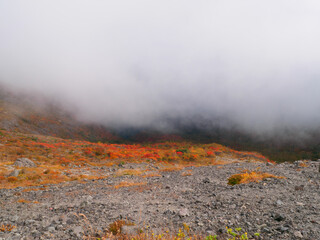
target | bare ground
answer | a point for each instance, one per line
(199, 197)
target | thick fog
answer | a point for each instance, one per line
(252, 64)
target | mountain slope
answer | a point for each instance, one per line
(27, 113)
(35, 115)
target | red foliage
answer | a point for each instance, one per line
(210, 154)
(153, 156)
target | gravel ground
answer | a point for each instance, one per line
(200, 197)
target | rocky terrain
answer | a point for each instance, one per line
(197, 197)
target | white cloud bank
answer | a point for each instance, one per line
(136, 63)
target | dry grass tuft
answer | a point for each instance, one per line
(187, 173)
(303, 164)
(153, 174)
(114, 232)
(171, 169)
(26, 201)
(6, 228)
(129, 184)
(248, 177)
(116, 227)
(12, 179)
(130, 172)
(33, 189)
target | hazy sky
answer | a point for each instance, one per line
(135, 63)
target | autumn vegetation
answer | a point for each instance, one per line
(6, 228)
(250, 176)
(59, 160)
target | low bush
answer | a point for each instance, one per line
(248, 177)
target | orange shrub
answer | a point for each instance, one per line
(303, 164)
(129, 184)
(99, 151)
(133, 172)
(12, 179)
(23, 201)
(187, 173)
(6, 228)
(249, 177)
(115, 227)
(148, 175)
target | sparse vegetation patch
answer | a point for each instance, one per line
(248, 177)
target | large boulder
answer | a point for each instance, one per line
(24, 162)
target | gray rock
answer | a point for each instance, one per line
(15, 173)
(14, 218)
(233, 206)
(84, 204)
(59, 227)
(206, 180)
(168, 212)
(283, 229)
(184, 212)
(129, 230)
(30, 221)
(278, 217)
(297, 234)
(69, 221)
(24, 162)
(51, 229)
(186, 190)
(63, 219)
(299, 188)
(266, 230)
(89, 199)
(279, 202)
(78, 231)
(18, 235)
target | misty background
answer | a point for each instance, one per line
(250, 66)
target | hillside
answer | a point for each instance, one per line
(31, 114)
(58, 160)
(57, 184)
(26, 113)
(53, 188)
